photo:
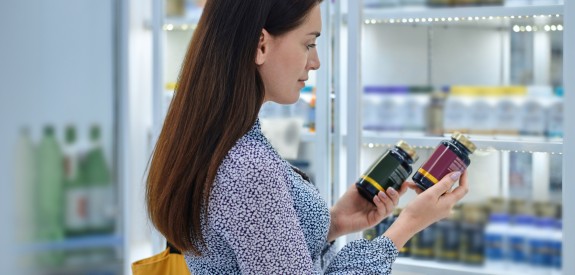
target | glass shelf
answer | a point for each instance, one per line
(73, 244)
(462, 13)
(519, 144)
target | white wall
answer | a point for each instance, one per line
(397, 54)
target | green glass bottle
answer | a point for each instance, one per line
(101, 206)
(50, 201)
(24, 187)
(76, 190)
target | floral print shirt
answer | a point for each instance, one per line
(265, 218)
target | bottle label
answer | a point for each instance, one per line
(101, 207)
(517, 249)
(494, 246)
(386, 172)
(442, 162)
(76, 208)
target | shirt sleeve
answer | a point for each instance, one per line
(364, 257)
(252, 209)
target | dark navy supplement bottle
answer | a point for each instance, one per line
(449, 156)
(390, 170)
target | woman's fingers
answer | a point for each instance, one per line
(413, 187)
(404, 187)
(459, 192)
(386, 204)
(444, 184)
(393, 195)
(381, 209)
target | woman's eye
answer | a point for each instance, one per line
(311, 46)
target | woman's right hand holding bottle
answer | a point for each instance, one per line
(427, 208)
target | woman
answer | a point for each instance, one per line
(218, 190)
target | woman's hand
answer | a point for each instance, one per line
(353, 213)
(428, 207)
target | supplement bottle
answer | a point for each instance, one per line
(449, 156)
(390, 170)
(496, 235)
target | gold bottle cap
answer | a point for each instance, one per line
(464, 140)
(408, 149)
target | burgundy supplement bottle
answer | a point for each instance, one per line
(390, 170)
(449, 156)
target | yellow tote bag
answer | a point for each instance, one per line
(164, 263)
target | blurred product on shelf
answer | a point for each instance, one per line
(24, 188)
(484, 110)
(303, 109)
(49, 195)
(520, 177)
(415, 106)
(422, 244)
(520, 231)
(462, 3)
(472, 234)
(496, 239)
(434, 113)
(390, 170)
(310, 122)
(455, 116)
(555, 115)
(533, 113)
(522, 237)
(448, 237)
(507, 112)
(449, 156)
(384, 107)
(68, 190)
(73, 191)
(102, 203)
(75, 188)
(175, 8)
(512, 3)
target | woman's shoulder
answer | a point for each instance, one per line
(251, 154)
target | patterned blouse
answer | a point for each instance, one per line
(265, 218)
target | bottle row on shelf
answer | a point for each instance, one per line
(518, 237)
(62, 190)
(503, 111)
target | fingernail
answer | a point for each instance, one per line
(392, 190)
(456, 175)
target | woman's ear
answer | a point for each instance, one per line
(263, 47)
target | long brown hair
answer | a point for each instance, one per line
(216, 102)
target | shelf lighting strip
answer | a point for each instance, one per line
(451, 19)
(378, 145)
(534, 28)
(179, 27)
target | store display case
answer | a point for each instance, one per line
(493, 70)
(62, 143)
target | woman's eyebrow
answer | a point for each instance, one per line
(317, 34)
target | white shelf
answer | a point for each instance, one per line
(431, 267)
(519, 144)
(462, 12)
(74, 243)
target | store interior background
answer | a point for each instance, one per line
(92, 62)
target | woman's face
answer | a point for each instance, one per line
(284, 61)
